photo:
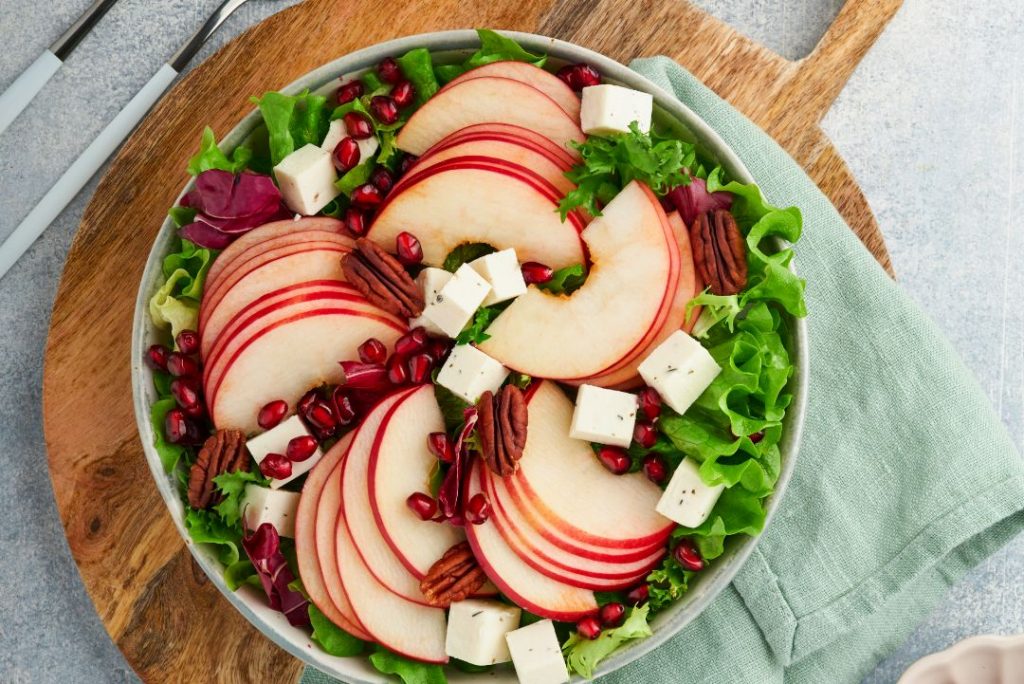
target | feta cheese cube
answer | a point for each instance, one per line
(687, 500)
(275, 506)
(477, 629)
(306, 178)
(469, 372)
(608, 109)
(501, 270)
(537, 655)
(453, 307)
(680, 369)
(336, 133)
(430, 280)
(604, 416)
(275, 441)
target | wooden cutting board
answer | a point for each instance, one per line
(170, 623)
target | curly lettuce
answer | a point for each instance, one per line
(583, 655)
(175, 306)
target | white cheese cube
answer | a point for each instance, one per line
(469, 372)
(336, 133)
(501, 270)
(306, 178)
(477, 629)
(275, 441)
(687, 500)
(537, 654)
(430, 280)
(608, 109)
(454, 305)
(275, 506)
(604, 416)
(680, 369)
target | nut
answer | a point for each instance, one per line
(502, 429)
(222, 452)
(453, 578)
(719, 252)
(382, 279)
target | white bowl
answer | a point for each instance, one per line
(456, 45)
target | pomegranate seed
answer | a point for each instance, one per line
(440, 444)
(373, 351)
(422, 505)
(638, 595)
(438, 348)
(612, 614)
(275, 467)
(403, 94)
(756, 437)
(181, 366)
(412, 342)
(355, 222)
(371, 376)
(389, 71)
(357, 125)
(300, 448)
(654, 468)
(420, 366)
(398, 374)
(272, 414)
(650, 403)
(384, 109)
(579, 76)
(307, 401)
(188, 342)
(614, 459)
(589, 627)
(408, 249)
(406, 164)
(346, 154)
(156, 357)
(687, 555)
(366, 196)
(382, 179)
(645, 435)
(186, 392)
(179, 429)
(478, 510)
(321, 417)
(535, 273)
(344, 409)
(350, 91)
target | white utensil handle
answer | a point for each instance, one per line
(25, 87)
(79, 173)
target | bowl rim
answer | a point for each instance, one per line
(250, 603)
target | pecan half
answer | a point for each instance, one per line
(453, 578)
(502, 429)
(719, 252)
(382, 279)
(222, 452)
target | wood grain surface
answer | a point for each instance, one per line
(155, 603)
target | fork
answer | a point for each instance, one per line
(83, 168)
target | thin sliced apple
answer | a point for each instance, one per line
(509, 131)
(407, 628)
(400, 465)
(626, 298)
(542, 80)
(308, 541)
(486, 100)
(500, 204)
(516, 579)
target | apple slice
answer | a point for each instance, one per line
(525, 586)
(400, 465)
(555, 562)
(407, 628)
(486, 100)
(500, 204)
(282, 360)
(307, 541)
(524, 72)
(508, 131)
(625, 300)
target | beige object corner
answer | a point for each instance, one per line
(987, 659)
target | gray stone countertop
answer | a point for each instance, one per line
(930, 124)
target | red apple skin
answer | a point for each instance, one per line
(510, 131)
(542, 80)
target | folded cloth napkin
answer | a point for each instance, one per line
(905, 480)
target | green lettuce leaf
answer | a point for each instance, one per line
(463, 254)
(566, 280)
(494, 47)
(409, 671)
(205, 527)
(292, 121)
(418, 66)
(182, 216)
(475, 330)
(210, 156)
(333, 639)
(232, 486)
(355, 177)
(176, 304)
(583, 655)
(666, 584)
(452, 406)
(241, 572)
(170, 454)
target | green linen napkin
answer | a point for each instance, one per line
(905, 480)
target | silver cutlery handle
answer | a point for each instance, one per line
(26, 86)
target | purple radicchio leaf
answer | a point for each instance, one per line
(263, 547)
(450, 493)
(694, 199)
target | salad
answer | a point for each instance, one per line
(472, 365)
